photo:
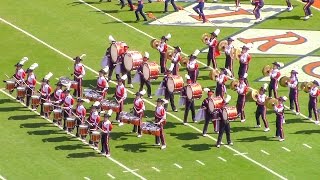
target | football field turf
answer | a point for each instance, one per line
(52, 32)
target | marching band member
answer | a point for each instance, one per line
(189, 103)
(120, 95)
(261, 108)
(139, 10)
(244, 59)
(163, 48)
(20, 74)
(31, 83)
(242, 90)
(108, 60)
(102, 83)
(213, 49)
(289, 5)
(279, 110)
(80, 114)
(167, 94)
(306, 9)
(106, 127)
(237, 2)
(57, 96)
(224, 126)
(94, 120)
(313, 99)
(258, 4)
(228, 49)
(274, 79)
(207, 115)
(166, 2)
(221, 79)
(120, 67)
(199, 10)
(138, 109)
(129, 3)
(293, 92)
(45, 93)
(160, 120)
(176, 58)
(193, 67)
(78, 74)
(144, 81)
(68, 102)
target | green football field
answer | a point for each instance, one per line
(52, 32)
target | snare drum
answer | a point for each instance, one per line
(105, 105)
(35, 100)
(135, 120)
(74, 84)
(117, 49)
(132, 60)
(150, 70)
(229, 113)
(96, 97)
(96, 136)
(215, 103)
(115, 107)
(124, 117)
(47, 107)
(10, 85)
(175, 83)
(194, 91)
(21, 92)
(83, 130)
(70, 122)
(149, 128)
(57, 114)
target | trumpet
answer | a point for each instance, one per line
(284, 81)
(306, 86)
(205, 37)
(154, 43)
(266, 70)
(235, 52)
(222, 45)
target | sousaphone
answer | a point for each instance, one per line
(222, 45)
(266, 70)
(213, 73)
(270, 101)
(283, 81)
(205, 37)
(154, 43)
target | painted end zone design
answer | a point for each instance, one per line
(222, 15)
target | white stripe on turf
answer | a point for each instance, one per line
(112, 177)
(2, 178)
(286, 149)
(240, 154)
(265, 152)
(306, 145)
(156, 169)
(200, 162)
(110, 158)
(177, 165)
(132, 170)
(172, 115)
(222, 159)
(86, 178)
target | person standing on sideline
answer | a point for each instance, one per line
(258, 4)
(140, 10)
(289, 5)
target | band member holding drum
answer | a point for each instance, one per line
(94, 120)
(213, 49)
(45, 93)
(80, 114)
(163, 48)
(261, 108)
(167, 94)
(274, 80)
(160, 120)
(78, 74)
(120, 95)
(176, 58)
(68, 102)
(279, 110)
(108, 62)
(313, 99)
(242, 90)
(193, 67)
(102, 83)
(189, 103)
(138, 109)
(227, 50)
(205, 107)
(31, 83)
(244, 59)
(221, 79)
(224, 126)
(199, 10)
(142, 79)
(57, 96)
(20, 74)
(106, 128)
(293, 92)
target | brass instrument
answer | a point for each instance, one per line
(283, 81)
(306, 86)
(169, 54)
(154, 43)
(266, 70)
(205, 37)
(270, 101)
(222, 45)
(235, 53)
(252, 95)
(184, 61)
(234, 84)
(213, 73)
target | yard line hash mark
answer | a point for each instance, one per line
(265, 152)
(200, 162)
(222, 159)
(177, 165)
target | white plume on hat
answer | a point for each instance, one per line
(33, 66)
(109, 112)
(217, 32)
(83, 56)
(245, 75)
(106, 69)
(111, 39)
(143, 92)
(228, 98)
(284, 98)
(280, 64)
(265, 86)
(97, 103)
(86, 100)
(206, 89)
(168, 36)
(146, 54)
(164, 101)
(196, 52)
(124, 77)
(187, 76)
(48, 76)
(171, 67)
(23, 60)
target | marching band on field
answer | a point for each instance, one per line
(215, 107)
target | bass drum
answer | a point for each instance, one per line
(150, 70)
(175, 83)
(215, 103)
(132, 60)
(230, 113)
(117, 49)
(194, 91)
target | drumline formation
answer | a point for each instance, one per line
(118, 57)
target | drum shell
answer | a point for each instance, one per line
(95, 136)
(21, 92)
(47, 107)
(132, 60)
(194, 91)
(83, 130)
(70, 122)
(215, 103)
(150, 71)
(10, 85)
(230, 113)
(175, 83)
(57, 114)
(35, 100)
(117, 49)
(74, 85)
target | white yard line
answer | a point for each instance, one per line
(286, 149)
(264, 152)
(86, 178)
(306, 145)
(237, 154)
(132, 170)
(156, 169)
(2, 178)
(112, 177)
(200, 162)
(222, 159)
(110, 158)
(177, 165)
(302, 115)
(172, 115)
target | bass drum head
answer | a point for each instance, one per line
(189, 92)
(146, 71)
(170, 84)
(128, 62)
(225, 114)
(114, 52)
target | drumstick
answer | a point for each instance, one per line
(22, 81)
(87, 121)
(14, 78)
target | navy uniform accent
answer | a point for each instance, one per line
(261, 109)
(189, 105)
(166, 5)
(293, 92)
(313, 99)
(227, 50)
(279, 110)
(224, 126)
(167, 94)
(274, 80)
(140, 10)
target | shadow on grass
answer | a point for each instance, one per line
(8, 109)
(119, 135)
(296, 120)
(198, 147)
(238, 129)
(136, 148)
(34, 125)
(71, 147)
(2, 101)
(83, 155)
(185, 136)
(44, 132)
(307, 132)
(257, 138)
(294, 17)
(75, 3)
(58, 139)
(23, 117)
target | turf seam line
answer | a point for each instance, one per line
(265, 152)
(200, 162)
(177, 165)
(198, 130)
(306, 145)
(156, 169)
(288, 150)
(222, 159)
(112, 177)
